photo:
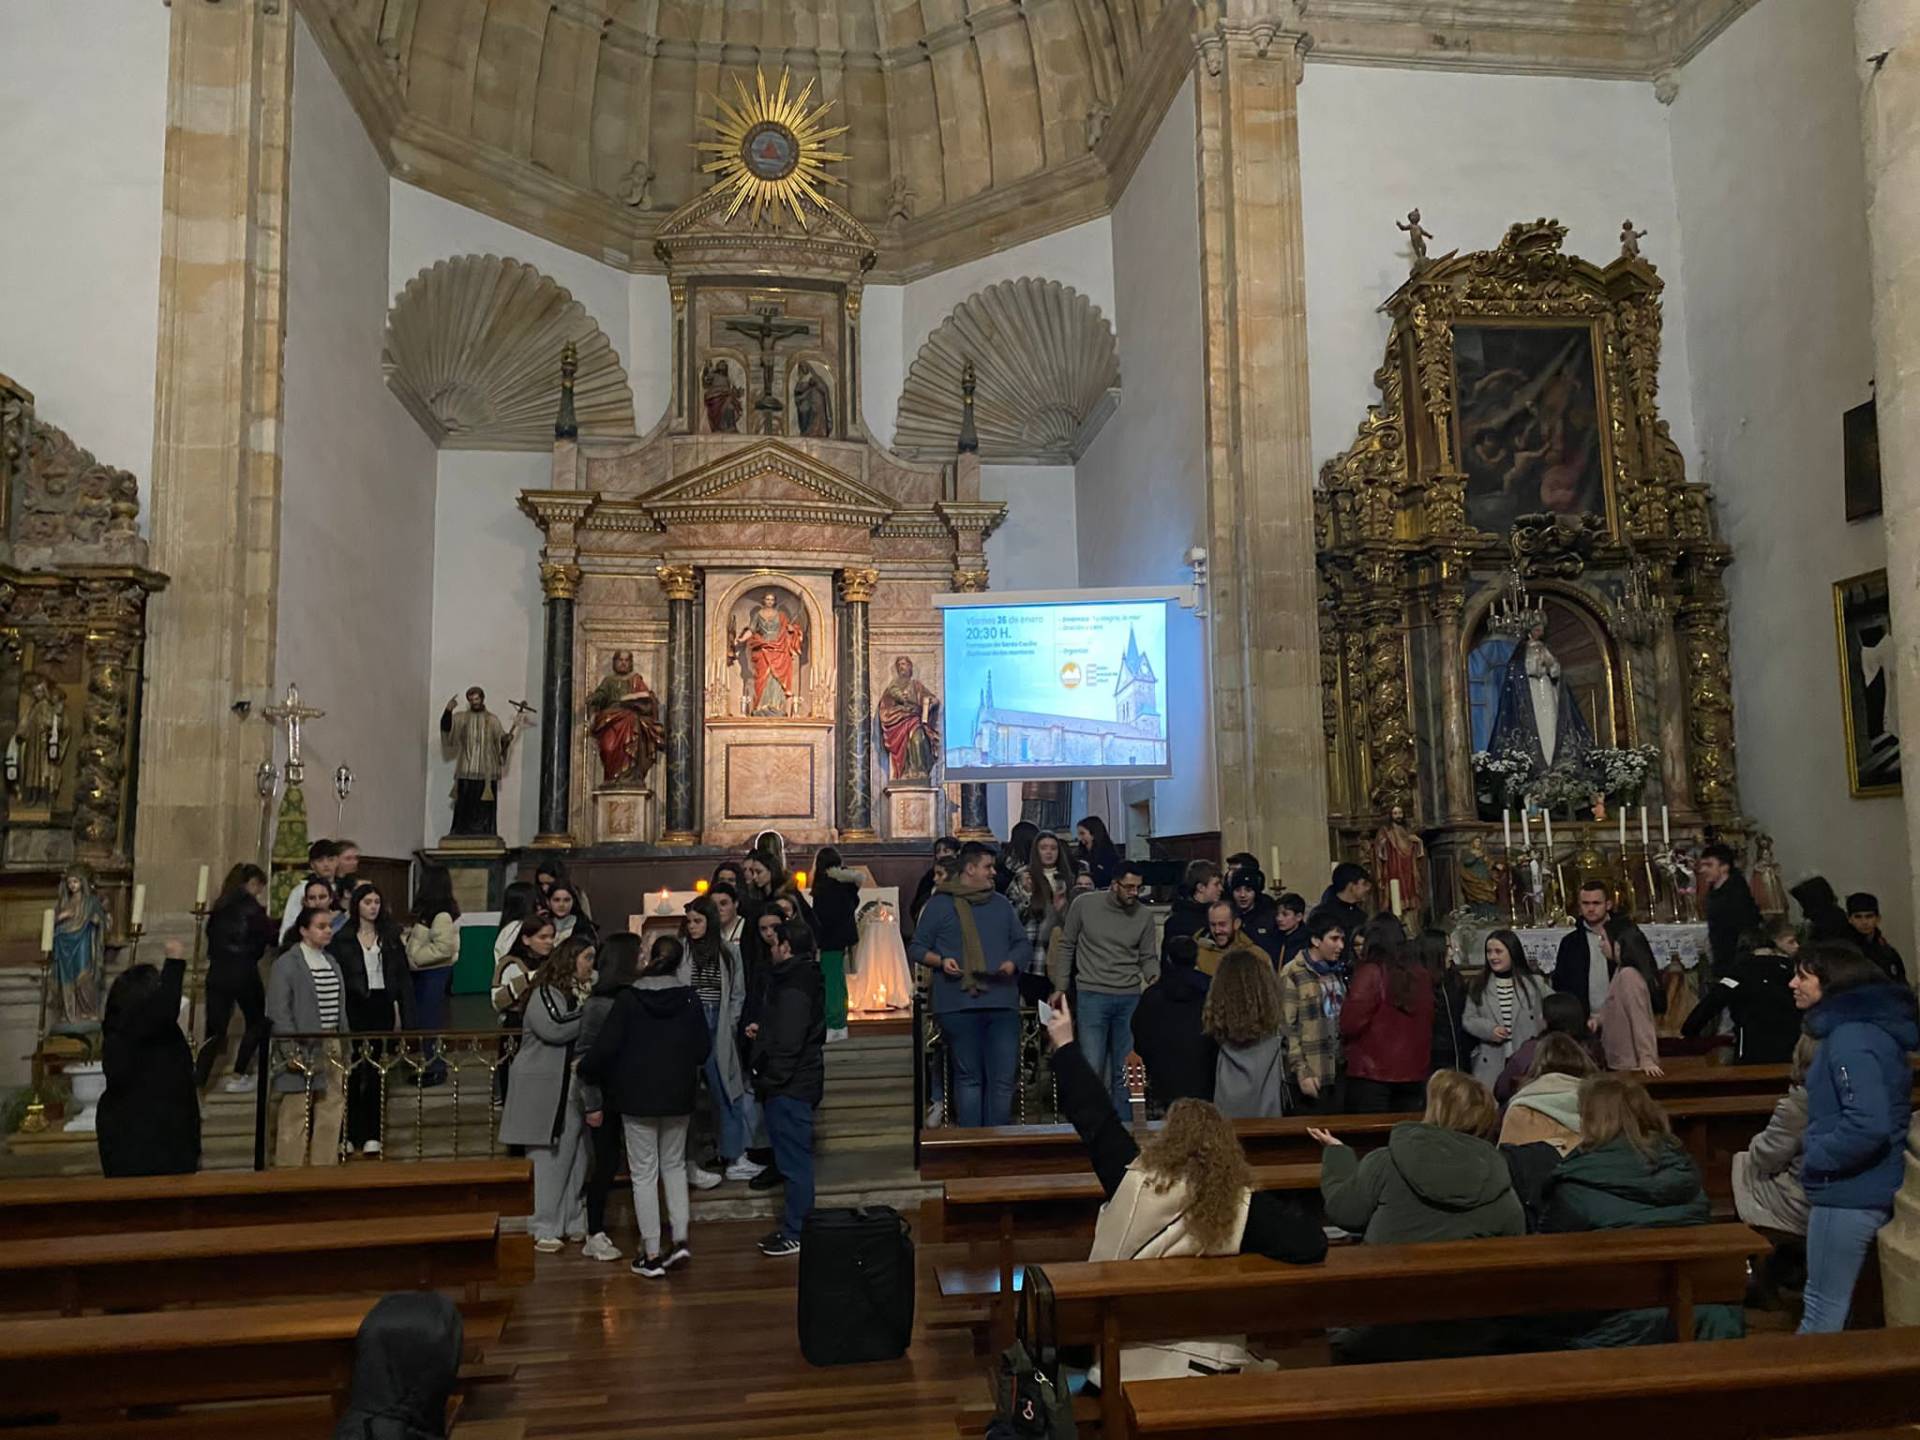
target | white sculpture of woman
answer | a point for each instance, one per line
(1543, 687)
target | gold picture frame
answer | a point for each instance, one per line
(1863, 639)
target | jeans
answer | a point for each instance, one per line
(1837, 1245)
(732, 1119)
(656, 1154)
(1384, 1097)
(1104, 1027)
(985, 1045)
(790, 1128)
(432, 999)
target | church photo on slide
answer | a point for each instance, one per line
(740, 719)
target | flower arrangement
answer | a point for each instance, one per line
(1621, 774)
(1507, 774)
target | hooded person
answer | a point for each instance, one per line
(1257, 911)
(1825, 917)
(1168, 1034)
(405, 1360)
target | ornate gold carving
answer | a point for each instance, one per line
(857, 586)
(1390, 738)
(559, 581)
(1553, 545)
(968, 582)
(63, 506)
(681, 582)
(1701, 625)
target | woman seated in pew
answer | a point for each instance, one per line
(148, 1122)
(1629, 1171)
(1542, 1122)
(406, 1358)
(1562, 1014)
(1188, 1192)
(1241, 1015)
(1767, 1192)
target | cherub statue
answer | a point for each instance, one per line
(1417, 236)
(1630, 239)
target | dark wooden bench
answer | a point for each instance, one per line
(86, 1206)
(1767, 1388)
(953, 1154)
(141, 1270)
(1114, 1304)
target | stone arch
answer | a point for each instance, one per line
(473, 351)
(1047, 373)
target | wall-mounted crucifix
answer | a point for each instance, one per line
(768, 328)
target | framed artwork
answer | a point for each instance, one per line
(1860, 439)
(1532, 429)
(1869, 698)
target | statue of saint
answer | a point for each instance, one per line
(1480, 879)
(722, 397)
(812, 404)
(1399, 854)
(770, 644)
(42, 740)
(907, 726)
(1768, 886)
(623, 715)
(1538, 714)
(79, 947)
(478, 744)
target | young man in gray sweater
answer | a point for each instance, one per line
(1106, 955)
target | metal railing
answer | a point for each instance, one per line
(433, 1071)
(1036, 1100)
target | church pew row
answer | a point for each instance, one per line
(1114, 1304)
(1767, 1388)
(31, 1209)
(143, 1270)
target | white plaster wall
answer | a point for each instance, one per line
(650, 348)
(1140, 489)
(1768, 165)
(486, 620)
(883, 366)
(357, 493)
(1033, 549)
(85, 128)
(1475, 153)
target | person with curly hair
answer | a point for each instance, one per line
(1242, 1017)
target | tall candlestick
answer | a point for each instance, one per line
(1623, 827)
(200, 890)
(1506, 826)
(1644, 844)
(139, 906)
(1666, 840)
(1546, 819)
(46, 932)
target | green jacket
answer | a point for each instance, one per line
(1425, 1183)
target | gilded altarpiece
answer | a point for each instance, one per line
(1517, 452)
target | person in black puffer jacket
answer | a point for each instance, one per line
(239, 934)
(789, 1038)
(1825, 916)
(1179, 1055)
(149, 1117)
(646, 1062)
(1259, 913)
(1757, 991)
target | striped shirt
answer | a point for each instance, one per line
(1504, 1001)
(326, 985)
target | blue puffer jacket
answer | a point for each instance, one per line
(1859, 1096)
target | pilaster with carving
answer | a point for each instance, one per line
(559, 514)
(1701, 623)
(681, 583)
(854, 726)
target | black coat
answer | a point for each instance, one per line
(1766, 1023)
(239, 933)
(1262, 925)
(1731, 913)
(1184, 917)
(1821, 907)
(648, 1054)
(1881, 952)
(149, 1117)
(366, 1011)
(835, 903)
(1570, 966)
(789, 1053)
(1179, 1056)
(1452, 1046)
(405, 1359)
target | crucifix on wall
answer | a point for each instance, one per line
(768, 328)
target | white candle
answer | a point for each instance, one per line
(1666, 840)
(1536, 877)
(1546, 819)
(1273, 862)
(1526, 829)
(1623, 827)
(46, 932)
(1506, 826)
(139, 905)
(1393, 893)
(200, 890)
(1643, 828)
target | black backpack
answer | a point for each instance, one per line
(856, 1286)
(1030, 1391)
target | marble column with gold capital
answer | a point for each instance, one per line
(682, 586)
(1271, 759)
(560, 582)
(855, 722)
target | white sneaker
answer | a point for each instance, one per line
(743, 1169)
(238, 1085)
(839, 1034)
(372, 1148)
(549, 1245)
(599, 1247)
(701, 1179)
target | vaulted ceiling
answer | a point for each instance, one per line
(973, 123)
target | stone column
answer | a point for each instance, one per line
(1270, 752)
(1456, 772)
(682, 584)
(215, 500)
(560, 583)
(855, 721)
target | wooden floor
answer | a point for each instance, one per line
(711, 1351)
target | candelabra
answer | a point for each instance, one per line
(35, 1120)
(197, 974)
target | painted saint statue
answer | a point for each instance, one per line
(79, 947)
(812, 405)
(623, 715)
(1400, 854)
(907, 726)
(1538, 714)
(478, 744)
(769, 645)
(721, 397)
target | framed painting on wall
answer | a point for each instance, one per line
(1868, 695)
(1532, 430)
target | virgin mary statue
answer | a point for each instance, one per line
(1538, 714)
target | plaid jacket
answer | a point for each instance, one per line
(1310, 1021)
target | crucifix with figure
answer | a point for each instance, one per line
(291, 713)
(769, 329)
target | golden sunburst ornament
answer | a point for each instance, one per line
(770, 149)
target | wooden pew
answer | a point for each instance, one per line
(1114, 1304)
(953, 1154)
(1767, 1388)
(143, 1270)
(30, 1209)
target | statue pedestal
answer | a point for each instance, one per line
(768, 775)
(914, 810)
(623, 813)
(479, 873)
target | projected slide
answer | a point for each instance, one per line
(1064, 691)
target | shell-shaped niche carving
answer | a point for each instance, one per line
(1046, 367)
(473, 351)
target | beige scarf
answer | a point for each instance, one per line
(973, 960)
